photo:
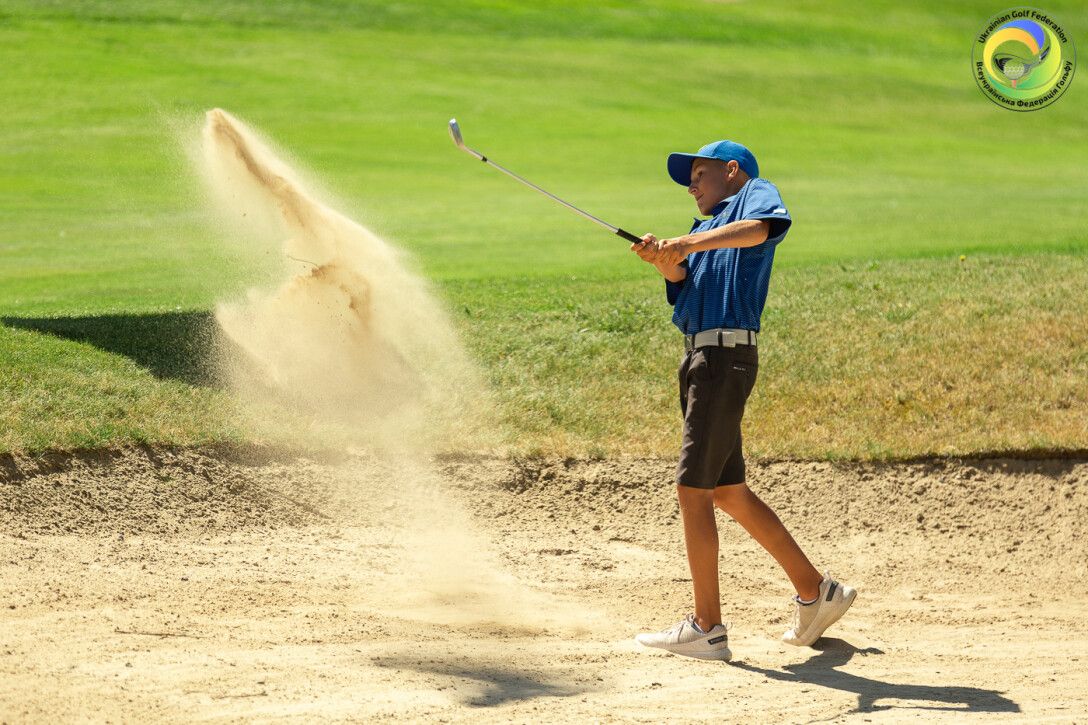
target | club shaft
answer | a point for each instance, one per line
(615, 230)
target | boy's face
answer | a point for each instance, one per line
(712, 180)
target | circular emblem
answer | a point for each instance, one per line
(1023, 60)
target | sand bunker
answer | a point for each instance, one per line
(168, 585)
(345, 332)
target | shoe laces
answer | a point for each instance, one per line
(675, 629)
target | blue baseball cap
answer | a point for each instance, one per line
(680, 164)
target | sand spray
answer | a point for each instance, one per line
(347, 335)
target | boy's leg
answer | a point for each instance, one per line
(757, 518)
(712, 401)
(825, 600)
(715, 383)
(701, 539)
(701, 634)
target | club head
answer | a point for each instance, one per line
(455, 133)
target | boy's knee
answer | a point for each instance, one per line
(729, 498)
(693, 498)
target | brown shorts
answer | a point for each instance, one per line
(715, 383)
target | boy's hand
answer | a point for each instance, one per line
(671, 252)
(647, 249)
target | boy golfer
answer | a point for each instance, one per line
(716, 278)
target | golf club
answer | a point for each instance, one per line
(455, 133)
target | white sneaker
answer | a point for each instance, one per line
(810, 620)
(684, 638)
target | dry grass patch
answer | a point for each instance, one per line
(876, 360)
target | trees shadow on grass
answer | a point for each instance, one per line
(820, 670)
(170, 345)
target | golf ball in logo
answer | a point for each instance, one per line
(1013, 69)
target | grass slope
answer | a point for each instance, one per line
(869, 122)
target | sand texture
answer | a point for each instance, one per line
(228, 585)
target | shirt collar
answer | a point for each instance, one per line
(721, 205)
(718, 208)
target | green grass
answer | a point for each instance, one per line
(868, 120)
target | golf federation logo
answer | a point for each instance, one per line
(1023, 60)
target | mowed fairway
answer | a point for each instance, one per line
(879, 340)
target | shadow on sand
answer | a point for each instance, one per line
(493, 684)
(820, 670)
(170, 345)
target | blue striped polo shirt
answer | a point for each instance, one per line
(728, 287)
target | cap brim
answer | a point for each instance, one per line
(679, 166)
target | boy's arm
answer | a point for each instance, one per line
(741, 233)
(674, 272)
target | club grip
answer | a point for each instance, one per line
(628, 236)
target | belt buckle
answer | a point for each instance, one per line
(727, 338)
